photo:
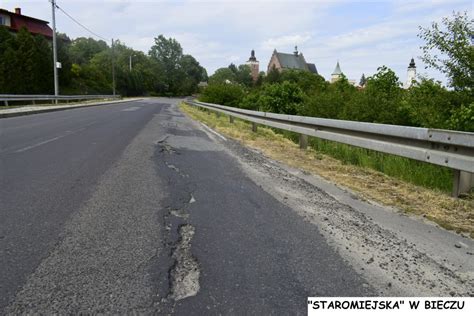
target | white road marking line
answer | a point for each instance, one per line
(40, 143)
(213, 132)
(133, 108)
(54, 138)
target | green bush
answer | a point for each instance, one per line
(462, 118)
(286, 97)
(222, 93)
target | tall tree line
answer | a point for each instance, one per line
(26, 66)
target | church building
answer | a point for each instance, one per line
(282, 61)
(337, 73)
(254, 65)
(411, 74)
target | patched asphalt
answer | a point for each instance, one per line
(137, 209)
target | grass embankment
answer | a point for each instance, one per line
(391, 188)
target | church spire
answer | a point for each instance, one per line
(296, 50)
(252, 56)
(337, 70)
(412, 63)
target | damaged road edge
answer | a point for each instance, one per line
(185, 273)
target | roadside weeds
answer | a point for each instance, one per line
(450, 213)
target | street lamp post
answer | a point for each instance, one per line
(130, 62)
(113, 68)
(55, 54)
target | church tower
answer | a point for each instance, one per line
(337, 73)
(411, 74)
(254, 65)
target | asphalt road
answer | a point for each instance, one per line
(134, 207)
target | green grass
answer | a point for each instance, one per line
(416, 172)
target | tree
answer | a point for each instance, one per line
(380, 101)
(309, 82)
(182, 73)
(83, 49)
(285, 97)
(462, 118)
(222, 75)
(330, 101)
(244, 75)
(225, 94)
(233, 68)
(193, 74)
(43, 66)
(453, 39)
(273, 76)
(166, 51)
(64, 57)
(7, 59)
(362, 81)
(429, 104)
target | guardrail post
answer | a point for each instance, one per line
(231, 119)
(254, 127)
(34, 102)
(6, 102)
(303, 141)
(218, 114)
(462, 182)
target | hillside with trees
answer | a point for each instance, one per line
(27, 67)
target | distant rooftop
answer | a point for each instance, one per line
(337, 70)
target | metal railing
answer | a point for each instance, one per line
(6, 98)
(452, 149)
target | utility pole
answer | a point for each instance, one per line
(55, 55)
(113, 67)
(130, 63)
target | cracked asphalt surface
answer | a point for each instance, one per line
(134, 207)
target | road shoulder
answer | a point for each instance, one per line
(30, 110)
(403, 256)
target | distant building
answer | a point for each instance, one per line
(337, 73)
(202, 84)
(254, 65)
(282, 61)
(14, 21)
(411, 74)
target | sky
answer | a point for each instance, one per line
(361, 35)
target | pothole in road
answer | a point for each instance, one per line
(179, 213)
(184, 275)
(173, 167)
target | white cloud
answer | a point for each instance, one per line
(285, 41)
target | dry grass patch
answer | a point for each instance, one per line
(450, 213)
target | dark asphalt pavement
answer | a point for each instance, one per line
(132, 207)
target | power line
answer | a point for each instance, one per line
(80, 24)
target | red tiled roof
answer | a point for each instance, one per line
(33, 25)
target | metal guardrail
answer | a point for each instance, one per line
(452, 149)
(6, 98)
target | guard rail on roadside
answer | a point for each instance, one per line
(6, 98)
(452, 149)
